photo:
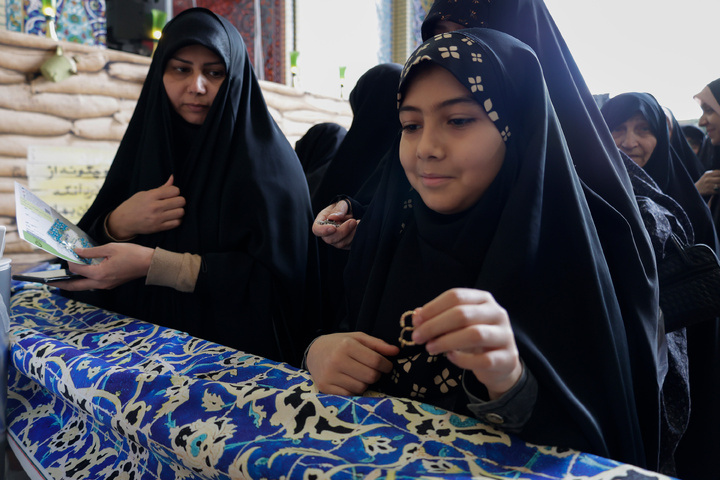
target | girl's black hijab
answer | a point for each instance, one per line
(664, 165)
(374, 128)
(530, 241)
(600, 167)
(248, 209)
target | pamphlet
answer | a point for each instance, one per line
(41, 225)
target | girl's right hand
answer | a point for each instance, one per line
(339, 236)
(348, 363)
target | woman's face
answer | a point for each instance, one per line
(192, 79)
(710, 119)
(450, 149)
(635, 138)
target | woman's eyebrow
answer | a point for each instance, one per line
(219, 62)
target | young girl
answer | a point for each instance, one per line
(203, 217)
(476, 280)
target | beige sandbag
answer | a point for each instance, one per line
(17, 145)
(131, 72)
(20, 97)
(7, 184)
(89, 62)
(18, 39)
(11, 76)
(24, 60)
(13, 167)
(30, 123)
(7, 203)
(89, 84)
(99, 129)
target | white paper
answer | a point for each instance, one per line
(42, 226)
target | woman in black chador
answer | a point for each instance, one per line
(634, 117)
(639, 127)
(204, 218)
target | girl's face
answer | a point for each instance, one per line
(450, 149)
(192, 79)
(710, 119)
(635, 138)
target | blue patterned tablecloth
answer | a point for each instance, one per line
(99, 395)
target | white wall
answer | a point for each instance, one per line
(331, 33)
(669, 49)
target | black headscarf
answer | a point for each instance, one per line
(602, 174)
(248, 209)
(530, 241)
(664, 165)
(316, 148)
(374, 127)
(679, 143)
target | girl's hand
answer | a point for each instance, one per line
(475, 333)
(149, 211)
(121, 263)
(340, 235)
(347, 363)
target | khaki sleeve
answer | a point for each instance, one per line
(175, 270)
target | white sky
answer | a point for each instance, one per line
(671, 50)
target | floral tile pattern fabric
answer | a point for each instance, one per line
(94, 394)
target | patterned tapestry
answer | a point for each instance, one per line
(96, 395)
(241, 14)
(79, 21)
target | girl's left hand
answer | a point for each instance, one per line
(121, 263)
(475, 333)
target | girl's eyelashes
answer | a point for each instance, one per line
(410, 127)
(460, 122)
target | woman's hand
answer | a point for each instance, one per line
(347, 363)
(149, 211)
(121, 263)
(709, 183)
(475, 333)
(340, 236)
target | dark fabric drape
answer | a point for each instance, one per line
(604, 179)
(316, 148)
(248, 209)
(531, 241)
(679, 143)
